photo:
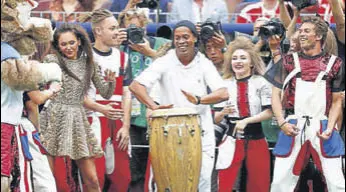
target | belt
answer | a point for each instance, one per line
(251, 132)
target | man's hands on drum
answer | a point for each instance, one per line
(155, 107)
(124, 136)
(289, 129)
(112, 113)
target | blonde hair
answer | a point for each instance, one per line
(246, 45)
(95, 17)
(128, 14)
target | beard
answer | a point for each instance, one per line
(309, 46)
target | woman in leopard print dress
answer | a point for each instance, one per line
(64, 126)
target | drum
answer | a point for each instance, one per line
(175, 149)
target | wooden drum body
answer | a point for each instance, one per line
(175, 149)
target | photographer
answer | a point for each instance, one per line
(122, 5)
(310, 82)
(141, 50)
(199, 11)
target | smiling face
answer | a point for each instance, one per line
(241, 63)
(308, 38)
(108, 31)
(68, 45)
(184, 41)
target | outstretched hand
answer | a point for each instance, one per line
(109, 75)
(192, 98)
(111, 113)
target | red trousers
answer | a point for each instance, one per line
(9, 149)
(120, 178)
(257, 162)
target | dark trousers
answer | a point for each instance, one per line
(311, 179)
(139, 158)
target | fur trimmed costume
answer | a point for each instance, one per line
(18, 37)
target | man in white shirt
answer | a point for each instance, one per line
(183, 75)
(199, 11)
(114, 140)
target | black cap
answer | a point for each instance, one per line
(188, 24)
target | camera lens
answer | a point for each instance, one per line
(152, 4)
(207, 32)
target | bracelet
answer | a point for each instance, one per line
(198, 100)
(283, 124)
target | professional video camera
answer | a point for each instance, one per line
(151, 4)
(208, 28)
(134, 34)
(301, 4)
(273, 27)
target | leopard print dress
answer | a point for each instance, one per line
(65, 130)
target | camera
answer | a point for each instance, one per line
(273, 27)
(134, 34)
(151, 4)
(208, 28)
(301, 4)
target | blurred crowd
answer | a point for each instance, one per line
(227, 11)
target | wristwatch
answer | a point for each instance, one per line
(198, 100)
(223, 50)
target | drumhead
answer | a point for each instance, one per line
(174, 112)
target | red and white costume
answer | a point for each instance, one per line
(308, 96)
(250, 96)
(115, 163)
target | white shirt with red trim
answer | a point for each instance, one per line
(111, 62)
(248, 96)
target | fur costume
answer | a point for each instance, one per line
(19, 33)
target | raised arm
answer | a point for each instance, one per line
(339, 19)
(284, 15)
(292, 26)
(105, 87)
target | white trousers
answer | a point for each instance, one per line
(43, 178)
(285, 181)
(208, 158)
